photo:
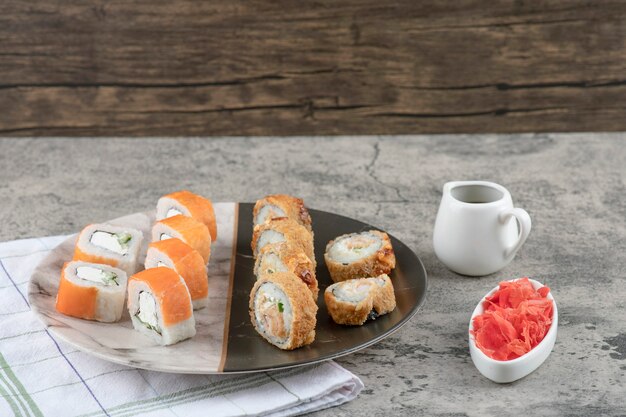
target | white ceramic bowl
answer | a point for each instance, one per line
(508, 371)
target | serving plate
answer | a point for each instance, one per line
(225, 341)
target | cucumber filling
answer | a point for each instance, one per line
(115, 242)
(147, 312)
(97, 275)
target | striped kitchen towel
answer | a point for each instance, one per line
(42, 376)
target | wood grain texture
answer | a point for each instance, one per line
(184, 67)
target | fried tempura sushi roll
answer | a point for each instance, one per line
(188, 204)
(160, 305)
(282, 229)
(187, 262)
(187, 229)
(283, 311)
(357, 255)
(385, 299)
(91, 291)
(111, 245)
(281, 205)
(286, 257)
(355, 301)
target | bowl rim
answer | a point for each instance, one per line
(534, 351)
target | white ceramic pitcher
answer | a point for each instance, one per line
(476, 232)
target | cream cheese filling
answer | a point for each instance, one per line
(115, 242)
(173, 212)
(147, 311)
(97, 275)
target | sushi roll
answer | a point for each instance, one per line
(187, 262)
(111, 245)
(357, 255)
(283, 311)
(285, 257)
(187, 229)
(355, 301)
(91, 291)
(385, 299)
(188, 204)
(281, 205)
(282, 229)
(160, 306)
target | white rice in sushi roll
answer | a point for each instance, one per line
(355, 301)
(285, 257)
(160, 306)
(112, 245)
(283, 311)
(281, 205)
(92, 291)
(358, 255)
(283, 229)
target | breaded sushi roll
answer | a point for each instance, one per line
(187, 229)
(282, 229)
(188, 204)
(385, 299)
(187, 262)
(91, 291)
(111, 245)
(286, 257)
(160, 306)
(283, 311)
(281, 205)
(357, 255)
(355, 301)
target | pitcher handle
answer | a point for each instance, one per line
(523, 219)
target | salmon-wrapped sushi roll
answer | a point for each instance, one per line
(187, 262)
(355, 301)
(357, 255)
(160, 306)
(283, 311)
(281, 205)
(286, 257)
(282, 229)
(187, 229)
(111, 245)
(91, 291)
(188, 204)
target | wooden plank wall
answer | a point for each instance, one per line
(229, 67)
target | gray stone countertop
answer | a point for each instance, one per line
(573, 186)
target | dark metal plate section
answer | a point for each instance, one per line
(249, 352)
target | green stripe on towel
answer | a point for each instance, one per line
(16, 382)
(10, 400)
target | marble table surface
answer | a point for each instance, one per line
(573, 186)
